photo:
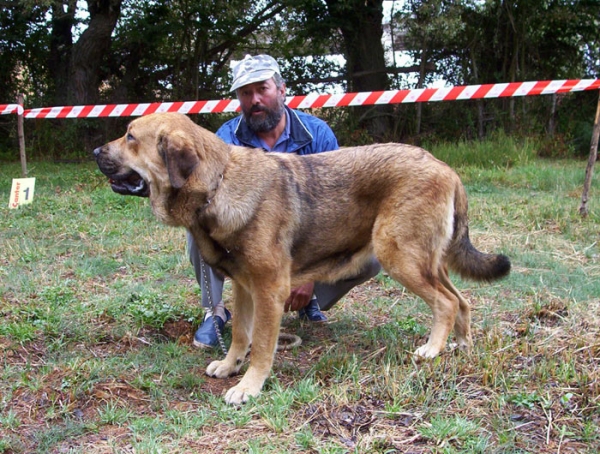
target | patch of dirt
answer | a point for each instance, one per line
(180, 331)
(351, 425)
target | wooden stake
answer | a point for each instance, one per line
(583, 210)
(21, 134)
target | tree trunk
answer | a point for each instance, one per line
(479, 102)
(360, 22)
(589, 171)
(89, 51)
(61, 45)
(420, 85)
(552, 119)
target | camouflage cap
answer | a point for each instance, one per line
(253, 69)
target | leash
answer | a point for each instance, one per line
(213, 307)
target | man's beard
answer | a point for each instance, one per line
(267, 122)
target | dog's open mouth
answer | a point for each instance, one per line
(131, 184)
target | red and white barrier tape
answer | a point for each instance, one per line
(312, 101)
(11, 108)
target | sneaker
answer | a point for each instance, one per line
(312, 312)
(206, 336)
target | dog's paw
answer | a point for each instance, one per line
(465, 347)
(240, 394)
(426, 352)
(220, 369)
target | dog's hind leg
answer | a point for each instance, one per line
(462, 325)
(417, 269)
(444, 306)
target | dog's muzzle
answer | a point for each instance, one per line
(124, 183)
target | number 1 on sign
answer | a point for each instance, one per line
(21, 192)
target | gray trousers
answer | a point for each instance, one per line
(327, 294)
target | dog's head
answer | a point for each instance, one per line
(156, 157)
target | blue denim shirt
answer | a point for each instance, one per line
(304, 134)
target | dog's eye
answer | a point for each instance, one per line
(130, 137)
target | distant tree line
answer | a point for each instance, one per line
(73, 52)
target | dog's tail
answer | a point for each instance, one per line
(463, 257)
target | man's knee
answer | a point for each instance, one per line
(329, 294)
(372, 269)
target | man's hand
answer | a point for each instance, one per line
(300, 297)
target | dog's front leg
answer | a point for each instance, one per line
(268, 310)
(243, 320)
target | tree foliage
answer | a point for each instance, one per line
(64, 52)
(496, 41)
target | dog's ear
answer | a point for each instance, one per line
(179, 155)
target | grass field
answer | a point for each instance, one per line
(98, 305)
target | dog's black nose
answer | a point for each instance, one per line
(97, 151)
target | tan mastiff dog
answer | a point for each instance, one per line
(274, 221)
